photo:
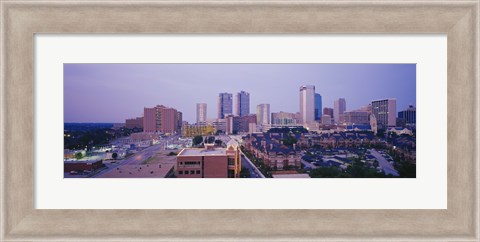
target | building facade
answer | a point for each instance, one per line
(318, 107)
(385, 111)
(192, 130)
(225, 105)
(243, 103)
(408, 116)
(283, 119)
(209, 162)
(162, 119)
(269, 148)
(307, 103)
(263, 113)
(219, 124)
(339, 107)
(356, 117)
(149, 120)
(201, 113)
(326, 119)
(134, 123)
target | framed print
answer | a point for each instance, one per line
(176, 64)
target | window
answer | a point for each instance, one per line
(198, 171)
(180, 172)
(192, 172)
(192, 163)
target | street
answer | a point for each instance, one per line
(135, 158)
(386, 166)
(251, 169)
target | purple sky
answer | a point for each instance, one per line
(114, 92)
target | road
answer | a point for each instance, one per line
(386, 166)
(308, 164)
(246, 163)
(134, 159)
(254, 173)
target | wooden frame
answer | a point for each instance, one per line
(20, 20)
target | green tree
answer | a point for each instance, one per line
(78, 155)
(289, 141)
(197, 140)
(211, 139)
(244, 173)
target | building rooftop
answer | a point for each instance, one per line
(202, 152)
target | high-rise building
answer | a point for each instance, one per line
(201, 113)
(263, 113)
(243, 103)
(179, 121)
(318, 107)
(339, 107)
(236, 124)
(385, 111)
(307, 103)
(161, 119)
(356, 117)
(149, 120)
(328, 111)
(409, 116)
(283, 119)
(225, 105)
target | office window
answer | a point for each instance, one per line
(192, 172)
(180, 172)
(198, 171)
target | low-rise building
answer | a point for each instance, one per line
(271, 149)
(209, 162)
(192, 130)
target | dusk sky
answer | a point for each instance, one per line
(111, 93)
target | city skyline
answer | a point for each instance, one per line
(114, 92)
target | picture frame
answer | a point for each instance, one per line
(21, 20)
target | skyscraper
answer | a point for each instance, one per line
(318, 107)
(385, 111)
(225, 105)
(263, 114)
(201, 113)
(307, 103)
(243, 103)
(339, 107)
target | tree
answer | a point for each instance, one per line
(78, 155)
(218, 142)
(114, 156)
(244, 173)
(289, 141)
(197, 140)
(211, 139)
